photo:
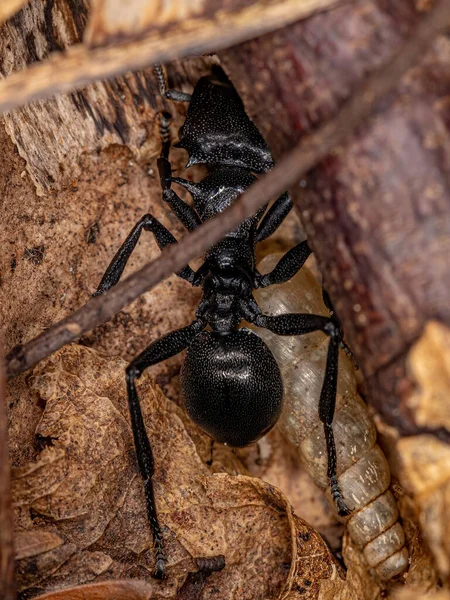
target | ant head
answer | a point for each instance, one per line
(232, 386)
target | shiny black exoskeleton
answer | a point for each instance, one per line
(230, 380)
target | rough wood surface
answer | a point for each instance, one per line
(52, 134)
(285, 174)
(112, 21)
(80, 65)
(377, 208)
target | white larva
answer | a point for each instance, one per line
(363, 471)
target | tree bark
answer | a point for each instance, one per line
(52, 134)
(376, 210)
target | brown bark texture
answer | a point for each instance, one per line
(376, 210)
(132, 36)
(52, 134)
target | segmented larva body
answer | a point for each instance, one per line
(362, 469)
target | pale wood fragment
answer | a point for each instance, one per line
(80, 65)
(9, 7)
(52, 134)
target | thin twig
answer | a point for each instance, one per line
(79, 65)
(288, 171)
(7, 580)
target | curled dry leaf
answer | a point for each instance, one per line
(131, 589)
(429, 367)
(424, 469)
(423, 461)
(79, 507)
(311, 556)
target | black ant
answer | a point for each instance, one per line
(230, 380)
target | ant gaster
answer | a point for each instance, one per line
(231, 383)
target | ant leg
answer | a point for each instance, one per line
(298, 324)
(274, 217)
(287, 266)
(185, 213)
(118, 263)
(335, 319)
(160, 350)
(174, 95)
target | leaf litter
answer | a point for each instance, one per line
(80, 509)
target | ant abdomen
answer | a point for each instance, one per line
(362, 468)
(232, 386)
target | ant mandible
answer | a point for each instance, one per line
(230, 381)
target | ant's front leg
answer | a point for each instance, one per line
(185, 213)
(164, 348)
(173, 95)
(299, 324)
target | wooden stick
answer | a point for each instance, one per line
(80, 64)
(288, 171)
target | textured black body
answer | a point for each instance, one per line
(230, 380)
(232, 386)
(223, 134)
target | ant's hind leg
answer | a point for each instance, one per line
(327, 301)
(174, 95)
(327, 405)
(160, 350)
(299, 324)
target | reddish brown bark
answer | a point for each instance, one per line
(376, 211)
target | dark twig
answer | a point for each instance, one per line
(288, 171)
(195, 582)
(7, 580)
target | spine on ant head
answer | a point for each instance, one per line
(362, 468)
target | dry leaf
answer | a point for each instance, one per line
(424, 472)
(429, 367)
(275, 460)
(312, 557)
(412, 595)
(79, 506)
(7, 577)
(131, 589)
